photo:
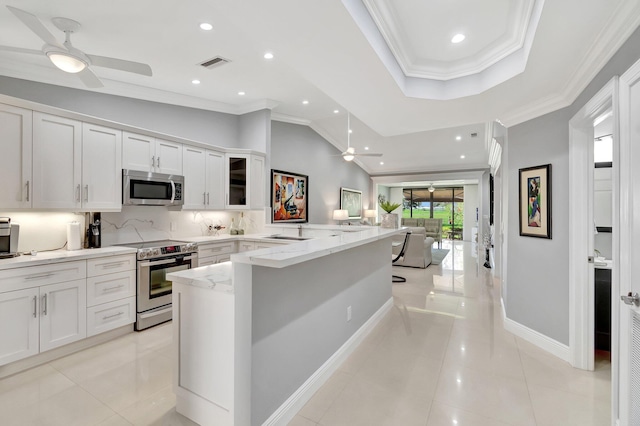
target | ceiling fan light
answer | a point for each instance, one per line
(348, 157)
(67, 62)
(431, 188)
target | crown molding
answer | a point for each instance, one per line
(292, 119)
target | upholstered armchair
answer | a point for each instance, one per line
(418, 250)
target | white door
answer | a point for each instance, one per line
(15, 161)
(56, 162)
(194, 192)
(629, 314)
(215, 180)
(138, 152)
(101, 168)
(18, 325)
(63, 313)
(168, 157)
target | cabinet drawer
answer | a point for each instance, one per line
(34, 276)
(206, 261)
(207, 250)
(110, 287)
(111, 264)
(246, 246)
(110, 315)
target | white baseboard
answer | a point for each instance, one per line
(545, 343)
(287, 411)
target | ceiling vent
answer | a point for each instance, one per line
(214, 62)
(474, 135)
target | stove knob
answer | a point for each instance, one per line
(156, 252)
(142, 254)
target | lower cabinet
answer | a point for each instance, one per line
(602, 320)
(212, 253)
(19, 324)
(62, 314)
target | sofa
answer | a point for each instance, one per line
(418, 251)
(432, 227)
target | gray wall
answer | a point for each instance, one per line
(537, 269)
(210, 127)
(299, 318)
(299, 149)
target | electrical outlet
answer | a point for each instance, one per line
(349, 313)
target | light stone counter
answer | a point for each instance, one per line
(218, 277)
(56, 256)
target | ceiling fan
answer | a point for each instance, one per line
(350, 153)
(68, 58)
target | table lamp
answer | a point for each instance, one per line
(371, 214)
(340, 215)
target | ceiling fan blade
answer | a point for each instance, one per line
(120, 64)
(368, 155)
(36, 26)
(20, 50)
(89, 78)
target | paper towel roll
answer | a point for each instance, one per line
(73, 236)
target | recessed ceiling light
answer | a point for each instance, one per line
(458, 138)
(241, 93)
(382, 163)
(268, 55)
(206, 26)
(195, 81)
(305, 102)
(350, 131)
(457, 38)
(335, 111)
(462, 156)
(366, 148)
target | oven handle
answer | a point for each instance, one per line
(149, 263)
(173, 190)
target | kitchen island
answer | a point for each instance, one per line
(254, 338)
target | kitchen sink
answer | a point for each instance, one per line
(286, 237)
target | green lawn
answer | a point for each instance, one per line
(438, 214)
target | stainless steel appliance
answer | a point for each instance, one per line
(155, 260)
(9, 234)
(151, 189)
(94, 230)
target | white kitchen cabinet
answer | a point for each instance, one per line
(15, 161)
(212, 253)
(245, 181)
(63, 316)
(602, 197)
(149, 154)
(57, 158)
(204, 179)
(101, 168)
(19, 325)
(75, 165)
(246, 246)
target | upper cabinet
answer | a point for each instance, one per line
(204, 179)
(15, 161)
(149, 154)
(75, 165)
(245, 181)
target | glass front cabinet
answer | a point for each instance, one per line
(245, 181)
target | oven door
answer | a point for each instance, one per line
(154, 289)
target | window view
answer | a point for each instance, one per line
(444, 203)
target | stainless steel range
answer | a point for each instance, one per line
(155, 260)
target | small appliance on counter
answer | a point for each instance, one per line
(94, 230)
(9, 233)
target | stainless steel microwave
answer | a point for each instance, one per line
(151, 189)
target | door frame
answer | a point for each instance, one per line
(581, 231)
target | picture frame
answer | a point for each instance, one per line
(289, 197)
(535, 201)
(351, 201)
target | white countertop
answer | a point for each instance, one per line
(46, 257)
(218, 277)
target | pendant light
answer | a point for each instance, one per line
(431, 188)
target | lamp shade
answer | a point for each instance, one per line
(66, 61)
(370, 213)
(340, 215)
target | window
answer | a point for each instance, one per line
(444, 203)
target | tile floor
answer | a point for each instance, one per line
(440, 357)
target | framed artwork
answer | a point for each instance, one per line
(289, 197)
(351, 201)
(535, 201)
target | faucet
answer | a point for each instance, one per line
(300, 231)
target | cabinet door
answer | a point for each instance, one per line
(195, 164)
(101, 168)
(18, 325)
(138, 152)
(257, 179)
(236, 178)
(168, 157)
(215, 180)
(63, 314)
(56, 162)
(15, 161)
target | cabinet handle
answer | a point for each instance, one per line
(86, 193)
(153, 161)
(204, 198)
(78, 193)
(207, 198)
(112, 288)
(44, 304)
(28, 189)
(113, 264)
(35, 277)
(35, 304)
(158, 162)
(112, 316)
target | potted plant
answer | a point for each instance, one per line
(389, 220)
